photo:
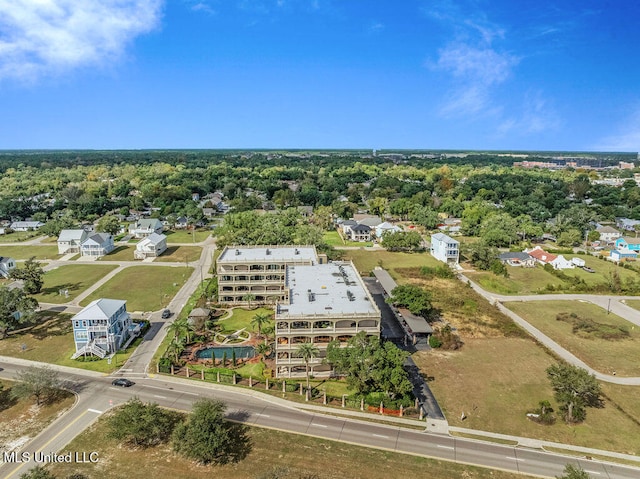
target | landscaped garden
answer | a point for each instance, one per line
(64, 283)
(145, 288)
(606, 342)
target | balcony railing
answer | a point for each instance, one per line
(307, 331)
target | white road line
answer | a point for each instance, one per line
(260, 414)
(445, 447)
(94, 410)
(158, 396)
(514, 458)
(380, 435)
(318, 425)
(592, 472)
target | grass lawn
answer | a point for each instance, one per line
(187, 236)
(241, 318)
(145, 288)
(534, 280)
(22, 418)
(18, 236)
(365, 261)
(295, 455)
(495, 382)
(633, 303)
(333, 238)
(74, 278)
(603, 355)
(52, 342)
(26, 252)
(179, 254)
(120, 253)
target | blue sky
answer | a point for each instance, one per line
(468, 74)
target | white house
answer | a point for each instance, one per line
(153, 245)
(444, 248)
(626, 223)
(102, 328)
(360, 233)
(579, 262)
(98, 244)
(26, 225)
(382, 228)
(144, 227)
(608, 234)
(69, 241)
(560, 262)
(6, 266)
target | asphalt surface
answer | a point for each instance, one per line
(96, 395)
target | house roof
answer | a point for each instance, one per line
(100, 309)
(520, 256)
(99, 238)
(374, 221)
(26, 224)
(628, 240)
(361, 228)
(443, 238)
(542, 255)
(348, 223)
(386, 226)
(5, 259)
(149, 223)
(416, 323)
(607, 229)
(153, 238)
(244, 254)
(72, 235)
(199, 312)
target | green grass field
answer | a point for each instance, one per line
(51, 341)
(534, 280)
(365, 261)
(145, 288)
(19, 236)
(180, 254)
(496, 381)
(296, 457)
(26, 252)
(73, 278)
(602, 355)
(241, 318)
(333, 238)
(120, 253)
(186, 236)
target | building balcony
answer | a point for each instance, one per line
(307, 331)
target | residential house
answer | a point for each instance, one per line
(144, 227)
(181, 222)
(26, 225)
(150, 247)
(69, 241)
(608, 234)
(322, 303)
(451, 225)
(98, 244)
(621, 254)
(560, 262)
(258, 271)
(305, 211)
(102, 327)
(517, 259)
(444, 248)
(579, 262)
(208, 212)
(382, 228)
(6, 266)
(360, 232)
(626, 242)
(370, 221)
(627, 224)
(540, 255)
(346, 227)
(195, 196)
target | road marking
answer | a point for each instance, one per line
(158, 396)
(125, 370)
(514, 458)
(318, 425)
(380, 435)
(94, 410)
(260, 414)
(592, 472)
(445, 447)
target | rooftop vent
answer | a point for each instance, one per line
(351, 296)
(297, 251)
(312, 296)
(237, 252)
(268, 251)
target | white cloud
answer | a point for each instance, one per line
(40, 37)
(203, 7)
(627, 138)
(484, 66)
(537, 116)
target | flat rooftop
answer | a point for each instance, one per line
(246, 254)
(326, 289)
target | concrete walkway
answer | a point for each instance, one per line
(549, 343)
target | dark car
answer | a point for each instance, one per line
(166, 314)
(122, 382)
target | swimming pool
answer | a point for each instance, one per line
(242, 352)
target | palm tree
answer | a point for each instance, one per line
(180, 328)
(264, 349)
(260, 320)
(175, 348)
(248, 298)
(307, 351)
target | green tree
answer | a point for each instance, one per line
(424, 216)
(109, 224)
(414, 298)
(307, 351)
(31, 274)
(42, 383)
(575, 389)
(260, 320)
(248, 298)
(402, 240)
(573, 472)
(481, 255)
(179, 328)
(141, 424)
(16, 308)
(499, 230)
(54, 227)
(38, 472)
(378, 206)
(571, 237)
(208, 438)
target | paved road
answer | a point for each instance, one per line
(96, 395)
(621, 309)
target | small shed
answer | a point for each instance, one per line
(198, 317)
(578, 262)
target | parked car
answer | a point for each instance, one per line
(122, 382)
(588, 270)
(166, 314)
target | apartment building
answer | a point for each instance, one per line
(248, 274)
(322, 303)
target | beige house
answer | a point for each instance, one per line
(69, 241)
(150, 247)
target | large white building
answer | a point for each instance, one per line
(322, 303)
(257, 273)
(444, 248)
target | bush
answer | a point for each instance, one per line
(434, 342)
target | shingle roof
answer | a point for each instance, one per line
(100, 309)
